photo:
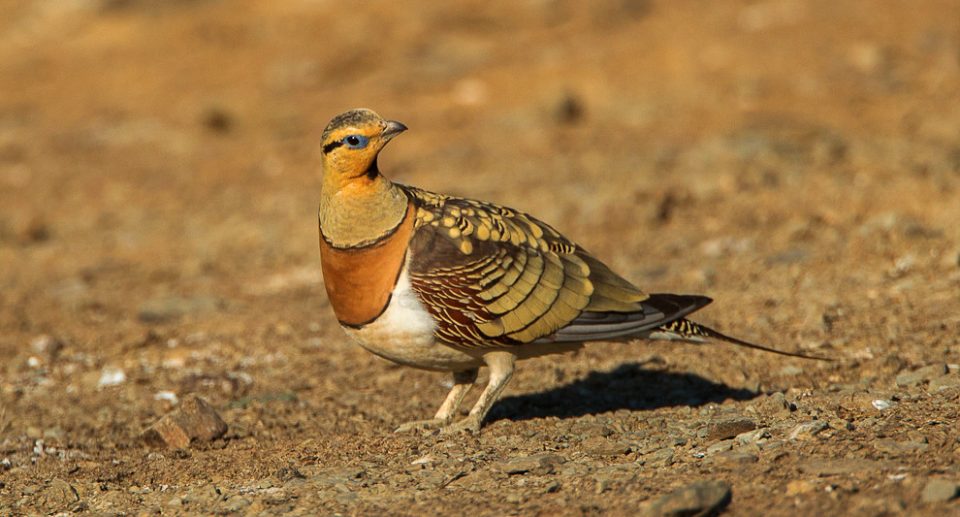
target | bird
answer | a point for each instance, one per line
(450, 284)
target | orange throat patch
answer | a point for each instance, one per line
(359, 281)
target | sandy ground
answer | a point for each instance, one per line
(798, 161)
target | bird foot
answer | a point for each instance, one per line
(470, 425)
(421, 425)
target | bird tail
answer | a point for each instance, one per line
(687, 330)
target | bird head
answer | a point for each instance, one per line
(352, 141)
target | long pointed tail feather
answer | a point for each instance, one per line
(688, 330)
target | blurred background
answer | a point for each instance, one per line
(799, 161)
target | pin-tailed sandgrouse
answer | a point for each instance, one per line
(450, 284)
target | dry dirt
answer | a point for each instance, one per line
(798, 161)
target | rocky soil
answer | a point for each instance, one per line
(798, 161)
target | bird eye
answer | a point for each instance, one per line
(356, 141)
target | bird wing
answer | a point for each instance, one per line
(492, 277)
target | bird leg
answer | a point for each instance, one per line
(462, 382)
(501, 365)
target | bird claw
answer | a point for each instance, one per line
(469, 425)
(421, 425)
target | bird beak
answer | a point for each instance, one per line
(393, 129)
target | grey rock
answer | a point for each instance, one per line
(719, 447)
(728, 428)
(939, 490)
(700, 498)
(921, 375)
(536, 464)
(754, 437)
(808, 430)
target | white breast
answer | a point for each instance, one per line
(404, 334)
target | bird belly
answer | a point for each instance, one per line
(404, 334)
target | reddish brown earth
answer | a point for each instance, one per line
(798, 161)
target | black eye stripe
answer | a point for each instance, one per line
(331, 146)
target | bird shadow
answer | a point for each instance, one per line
(627, 387)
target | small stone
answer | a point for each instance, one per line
(195, 419)
(799, 486)
(939, 490)
(46, 344)
(663, 457)
(945, 382)
(808, 430)
(726, 429)
(882, 404)
(59, 495)
(551, 487)
(921, 375)
(698, 498)
(599, 446)
(537, 464)
(167, 396)
(111, 377)
(719, 447)
(754, 437)
(235, 504)
(736, 457)
(772, 404)
(896, 448)
(289, 473)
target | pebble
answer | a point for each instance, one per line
(537, 464)
(46, 344)
(921, 375)
(939, 490)
(59, 495)
(808, 429)
(235, 504)
(882, 404)
(754, 437)
(168, 396)
(945, 382)
(697, 498)
(728, 428)
(598, 446)
(772, 404)
(721, 446)
(195, 419)
(111, 377)
(663, 457)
